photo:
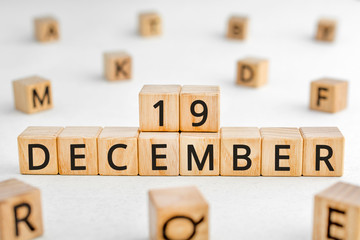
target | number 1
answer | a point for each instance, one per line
(160, 104)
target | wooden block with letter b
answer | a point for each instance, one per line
(46, 29)
(117, 66)
(252, 72)
(238, 27)
(178, 213)
(326, 30)
(150, 24)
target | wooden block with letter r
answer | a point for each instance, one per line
(46, 29)
(326, 30)
(238, 28)
(117, 66)
(252, 72)
(150, 24)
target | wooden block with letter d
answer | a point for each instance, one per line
(252, 72)
(117, 66)
(150, 24)
(326, 30)
(20, 211)
(238, 28)
(46, 29)
(178, 213)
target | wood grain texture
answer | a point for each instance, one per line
(252, 72)
(46, 29)
(237, 27)
(326, 30)
(117, 66)
(150, 24)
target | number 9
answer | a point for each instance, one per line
(202, 114)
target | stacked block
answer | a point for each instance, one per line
(117, 66)
(252, 72)
(46, 29)
(326, 30)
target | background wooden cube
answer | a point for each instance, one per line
(178, 213)
(238, 28)
(150, 24)
(284, 144)
(46, 29)
(328, 95)
(117, 66)
(159, 108)
(118, 151)
(200, 108)
(337, 213)
(194, 147)
(20, 211)
(240, 151)
(323, 151)
(77, 150)
(159, 153)
(252, 72)
(326, 30)
(32, 94)
(38, 151)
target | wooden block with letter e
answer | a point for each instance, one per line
(238, 27)
(159, 107)
(150, 24)
(326, 30)
(178, 213)
(46, 29)
(337, 213)
(328, 95)
(32, 94)
(77, 150)
(117, 66)
(20, 211)
(252, 72)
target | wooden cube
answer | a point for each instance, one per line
(200, 109)
(328, 95)
(238, 28)
(199, 154)
(159, 108)
(323, 151)
(282, 150)
(252, 72)
(20, 211)
(159, 153)
(46, 29)
(118, 151)
(240, 151)
(117, 66)
(337, 213)
(178, 213)
(77, 150)
(326, 30)
(32, 94)
(150, 24)
(37, 150)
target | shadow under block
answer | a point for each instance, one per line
(326, 30)
(328, 95)
(238, 28)
(20, 211)
(200, 108)
(252, 72)
(323, 151)
(282, 150)
(38, 151)
(32, 94)
(150, 24)
(77, 150)
(118, 151)
(46, 29)
(200, 154)
(240, 151)
(159, 107)
(337, 213)
(117, 66)
(159, 153)
(178, 213)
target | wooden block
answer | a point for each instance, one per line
(150, 24)
(240, 151)
(158, 153)
(282, 150)
(37, 150)
(32, 94)
(77, 150)
(46, 29)
(328, 95)
(200, 109)
(252, 72)
(117, 66)
(337, 213)
(20, 211)
(200, 154)
(326, 30)
(118, 151)
(323, 151)
(178, 213)
(238, 28)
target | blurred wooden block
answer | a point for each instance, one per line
(46, 29)
(32, 94)
(158, 153)
(200, 109)
(117, 66)
(323, 151)
(326, 30)
(150, 24)
(238, 27)
(328, 95)
(159, 108)
(178, 213)
(252, 72)
(337, 213)
(20, 211)
(37, 150)
(199, 154)
(77, 150)
(282, 150)
(240, 151)
(118, 151)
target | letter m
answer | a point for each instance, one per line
(36, 98)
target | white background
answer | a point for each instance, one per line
(192, 50)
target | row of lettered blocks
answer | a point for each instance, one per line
(234, 151)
